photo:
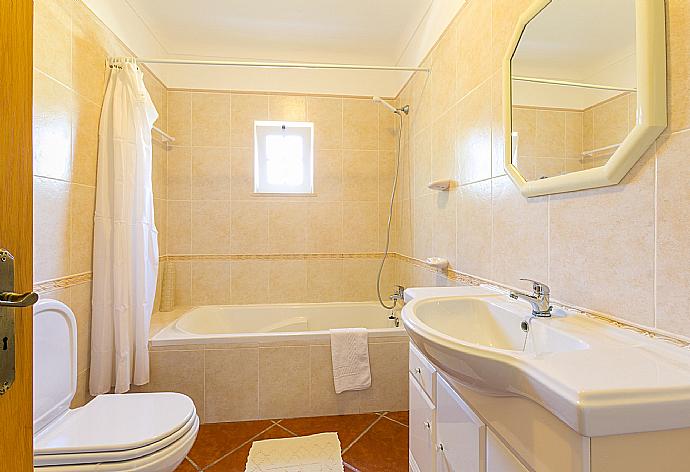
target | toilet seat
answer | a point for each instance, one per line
(115, 428)
(164, 459)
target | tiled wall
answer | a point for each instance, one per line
(622, 250)
(552, 141)
(239, 247)
(241, 382)
(70, 50)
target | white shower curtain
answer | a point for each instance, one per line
(125, 251)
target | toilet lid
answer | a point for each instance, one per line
(116, 423)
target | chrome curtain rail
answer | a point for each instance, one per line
(279, 65)
(566, 83)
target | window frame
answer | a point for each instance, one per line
(264, 128)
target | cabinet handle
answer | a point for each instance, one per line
(427, 425)
(418, 371)
(441, 447)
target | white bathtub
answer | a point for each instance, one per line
(275, 323)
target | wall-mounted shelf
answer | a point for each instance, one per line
(442, 185)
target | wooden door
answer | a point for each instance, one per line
(16, 18)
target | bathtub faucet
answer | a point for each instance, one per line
(399, 294)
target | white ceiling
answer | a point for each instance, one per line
(385, 32)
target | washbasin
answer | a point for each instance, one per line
(488, 322)
(597, 377)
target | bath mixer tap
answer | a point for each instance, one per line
(540, 298)
(399, 294)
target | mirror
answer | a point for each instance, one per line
(585, 84)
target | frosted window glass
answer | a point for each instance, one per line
(283, 157)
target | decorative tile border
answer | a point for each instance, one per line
(272, 257)
(62, 282)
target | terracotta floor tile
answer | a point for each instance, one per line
(348, 427)
(399, 416)
(216, 439)
(237, 461)
(185, 466)
(382, 449)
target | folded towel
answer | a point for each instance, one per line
(316, 453)
(350, 356)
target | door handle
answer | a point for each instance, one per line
(17, 300)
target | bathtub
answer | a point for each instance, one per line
(274, 361)
(275, 323)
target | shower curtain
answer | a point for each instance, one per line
(125, 250)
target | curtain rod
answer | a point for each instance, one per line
(278, 65)
(571, 84)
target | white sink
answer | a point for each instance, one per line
(597, 378)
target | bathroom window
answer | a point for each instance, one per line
(283, 157)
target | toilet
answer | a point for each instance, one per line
(149, 432)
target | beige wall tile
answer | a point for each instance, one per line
(183, 283)
(573, 134)
(85, 120)
(53, 39)
(359, 279)
(444, 226)
(242, 172)
(211, 119)
(80, 303)
(588, 244)
(360, 176)
(389, 378)
(325, 281)
(179, 227)
(323, 399)
(211, 282)
(210, 177)
(610, 122)
(249, 227)
(445, 71)
(497, 126)
(678, 50)
(249, 283)
(246, 108)
(422, 216)
(287, 227)
(474, 45)
(82, 209)
(328, 175)
(421, 163)
(443, 159)
(474, 239)
(473, 146)
(550, 134)
(90, 49)
(389, 123)
(520, 228)
(180, 117)
(231, 384)
(178, 371)
(287, 281)
(180, 173)
(504, 16)
(210, 227)
(327, 116)
(52, 235)
(52, 128)
(360, 227)
(360, 124)
(81, 396)
(324, 227)
(673, 250)
(287, 108)
(284, 378)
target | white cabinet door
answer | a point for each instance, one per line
(423, 371)
(422, 441)
(460, 434)
(499, 458)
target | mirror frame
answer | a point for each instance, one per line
(650, 26)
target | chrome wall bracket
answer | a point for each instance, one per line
(8, 302)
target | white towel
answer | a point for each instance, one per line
(316, 453)
(350, 356)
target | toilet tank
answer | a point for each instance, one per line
(55, 361)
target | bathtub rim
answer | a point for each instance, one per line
(170, 335)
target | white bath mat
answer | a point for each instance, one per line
(316, 453)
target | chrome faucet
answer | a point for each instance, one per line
(540, 298)
(399, 294)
